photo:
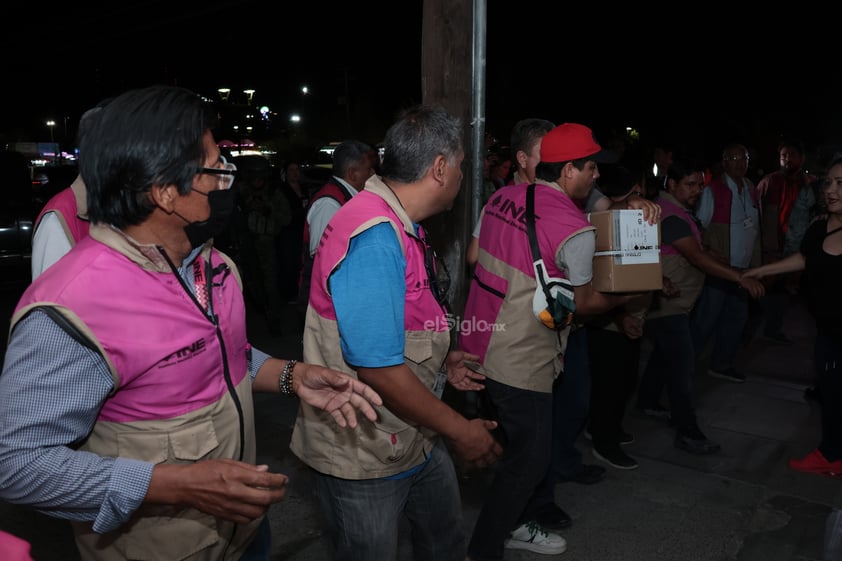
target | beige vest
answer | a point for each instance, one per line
(390, 445)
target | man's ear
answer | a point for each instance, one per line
(164, 196)
(568, 169)
(439, 168)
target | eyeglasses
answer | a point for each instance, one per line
(735, 158)
(226, 173)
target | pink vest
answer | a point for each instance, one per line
(722, 199)
(166, 357)
(499, 325)
(669, 208)
(421, 309)
(688, 278)
(557, 217)
(182, 391)
(340, 194)
(64, 203)
(331, 189)
(14, 548)
(392, 444)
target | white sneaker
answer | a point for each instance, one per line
(533, 537)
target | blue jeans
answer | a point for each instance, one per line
(571, 406)
(526, 420)
(672, 364)
(363, 517)
(722, 312)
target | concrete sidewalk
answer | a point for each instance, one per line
(742, 503)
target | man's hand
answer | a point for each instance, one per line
(234, 491)
(669, 290)
(754, 287)
(459, 374)
(631, 326)
(337, 393)
(476, 447)
(651, 210)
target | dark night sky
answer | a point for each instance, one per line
(72, 57)
(707, 78)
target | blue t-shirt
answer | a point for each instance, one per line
(368, 291)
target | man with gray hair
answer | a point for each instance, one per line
(377, 312)
(352, 166)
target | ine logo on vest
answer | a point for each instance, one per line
(508, 211)
(184, 353)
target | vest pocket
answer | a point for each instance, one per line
(418, 346)
(179, 532)
(185, 444)
(390, 439)
(164, 538)
(193, 442)
(174, 539)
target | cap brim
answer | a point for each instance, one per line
(604, 157)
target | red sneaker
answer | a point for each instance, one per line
(815, 462)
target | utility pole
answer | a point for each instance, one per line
(447, 70)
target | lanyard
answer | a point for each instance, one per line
(200, 282)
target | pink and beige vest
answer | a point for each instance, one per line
(391, 445)
(181, 387)
(499, 324)
(68, 204)
(687, 277)
(717, 236)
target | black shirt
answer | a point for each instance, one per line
(822, 277)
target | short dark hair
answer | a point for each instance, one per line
(550, 171)
(618, 179)
(679, 169)
(253, 165)
(87, 116)
(527, 132)
(139, 139)
(792, 143)
(347, 155)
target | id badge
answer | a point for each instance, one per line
(748, 223)
(441, 380)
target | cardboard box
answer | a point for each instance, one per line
(628, 252)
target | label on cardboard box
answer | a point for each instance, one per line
(635, 240)
(628, 255)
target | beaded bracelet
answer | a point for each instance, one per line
(285, 379)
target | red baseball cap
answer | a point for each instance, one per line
(571, 141)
